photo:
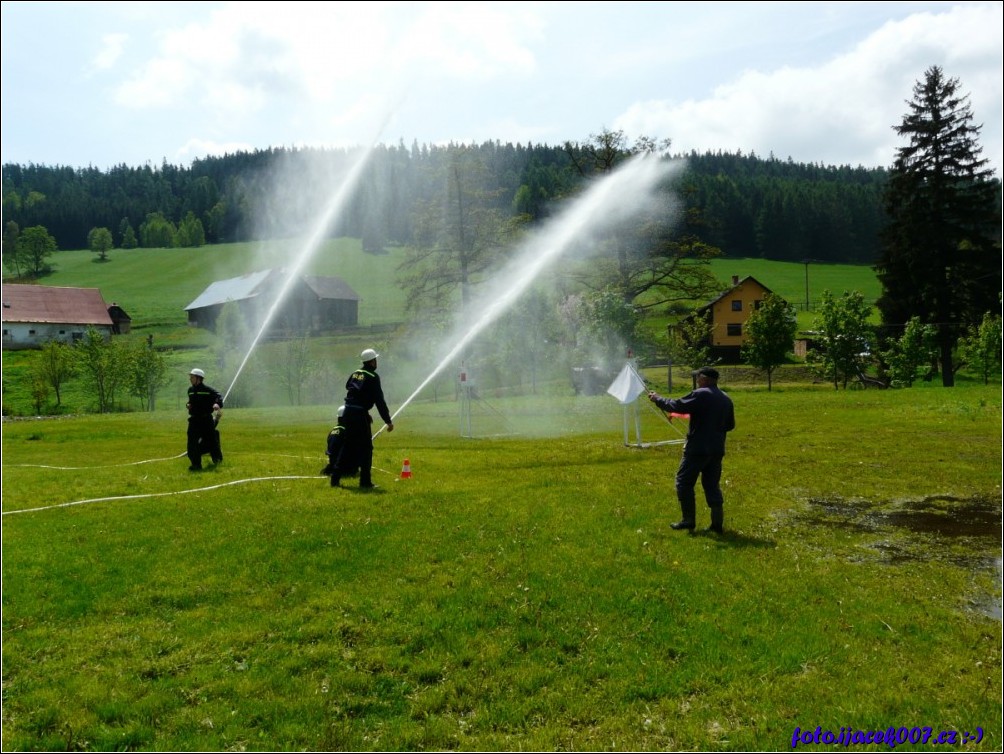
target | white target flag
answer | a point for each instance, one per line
(627, 386)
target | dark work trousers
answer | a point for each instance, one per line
(709, 469)
(202, 438)
(357, 448)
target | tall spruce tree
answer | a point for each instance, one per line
(941, 255)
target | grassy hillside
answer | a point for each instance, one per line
(788, 279)
(155, 285)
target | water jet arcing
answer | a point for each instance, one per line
(334, 206)
(612, 199)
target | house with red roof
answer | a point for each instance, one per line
(36, 314)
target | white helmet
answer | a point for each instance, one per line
(341, 411)
(368, 355)
(198, 373)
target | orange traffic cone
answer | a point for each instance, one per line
(406, 469)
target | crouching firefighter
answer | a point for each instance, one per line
(336, 439)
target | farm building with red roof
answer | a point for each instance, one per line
(36, 314)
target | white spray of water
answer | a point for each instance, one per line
(335, 204)
(612, 200)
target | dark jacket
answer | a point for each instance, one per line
(336, 438)
(363, 391)
(711, 416)
(201, 399)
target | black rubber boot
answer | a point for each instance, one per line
(365, 479)
(689, 516)
(717, 519)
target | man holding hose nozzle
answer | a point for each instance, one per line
(362, 392)
(203, 437)
(712, 415)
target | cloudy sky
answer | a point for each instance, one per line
(107, 83)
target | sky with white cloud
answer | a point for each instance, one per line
(109, 83)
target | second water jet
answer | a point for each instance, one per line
(611, 200)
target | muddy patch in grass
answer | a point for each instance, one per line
(941, 515)
(964, 532)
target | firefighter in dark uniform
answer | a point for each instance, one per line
(712, 416)
(336, 439)
(362, 392)
(203, 437)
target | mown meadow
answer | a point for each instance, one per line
(522, 591)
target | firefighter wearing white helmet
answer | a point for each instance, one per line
(205, 404)
(362, 392)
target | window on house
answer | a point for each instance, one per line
(757, 305)
(734, 328)
(737, 306)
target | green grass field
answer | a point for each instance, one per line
(520, 592)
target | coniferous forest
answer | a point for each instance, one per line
(749, 206)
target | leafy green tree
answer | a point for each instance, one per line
(34, 200)
(459, 234)
(190, 232)
(99, 240)
(216, 219)
(916, 349)
(103, 364)
(844, 337)
(147, 372)
(610, 327)
(690, 342)
(39, 391)
(981, 346)
(35, 245)
(55, 365)
(941, 256)
(157, 232)
(11, 249)
(770, 332)
(657, 260)
(127, 236)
